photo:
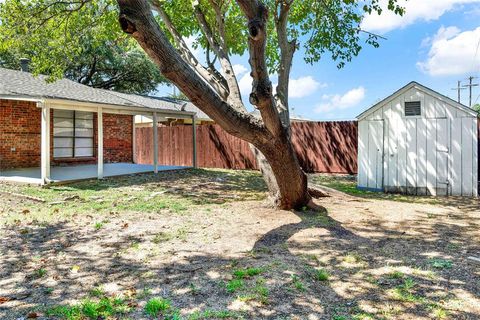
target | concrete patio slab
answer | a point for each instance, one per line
(79, 172)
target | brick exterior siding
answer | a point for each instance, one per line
(19, 134)
(117, 138)
(20, 137)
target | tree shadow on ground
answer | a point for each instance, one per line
(356, 285)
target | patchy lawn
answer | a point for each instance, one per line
(202, 244)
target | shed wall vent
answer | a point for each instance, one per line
(412, 108)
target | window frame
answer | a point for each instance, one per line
(74, 135)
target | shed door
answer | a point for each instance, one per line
(442, 156)
(375, 155)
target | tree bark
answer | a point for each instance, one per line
(288, 182)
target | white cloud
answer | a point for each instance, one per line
(350, 99)
(299, 88)
(452, 52)
(239, 69)
(245, 84)
(303, 87)
(190, 42)
(415, 10)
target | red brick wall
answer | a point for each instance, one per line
(19, 134)
(20, 128)
(117, 138)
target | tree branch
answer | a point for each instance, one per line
(137, 19)
(261, 95)
(287, 50)
(220, 50)
(216, 80)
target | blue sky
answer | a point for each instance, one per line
(435, 43)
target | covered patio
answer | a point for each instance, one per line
(64, 174)
(65, 131)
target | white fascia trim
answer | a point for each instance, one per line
(111, 108)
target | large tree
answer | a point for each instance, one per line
(270, 32)
(101, 56)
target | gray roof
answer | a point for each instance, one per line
(19, 83)
(163, 103)
(148, 102)
(23, 84)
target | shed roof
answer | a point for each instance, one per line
(420, 87)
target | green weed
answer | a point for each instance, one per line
(247, 273)
(98, 226)
(215, 314)
(234, 285)
(157, 306)
(91, 309)
(321, 275)
(40, 273)
(297, 283)
(440, 263)
(396, 275)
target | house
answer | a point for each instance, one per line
(293, 116)
(63, 130)
(418, 141)
(181, 105)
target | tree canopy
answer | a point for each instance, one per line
(85, 45)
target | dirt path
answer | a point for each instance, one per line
(379, 259)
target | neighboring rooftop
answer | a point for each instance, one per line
(293, 117)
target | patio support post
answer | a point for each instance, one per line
(134, 143)
(155, 143)
(194, 138)
(45, 144)
(100, 143)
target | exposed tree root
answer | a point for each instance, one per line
(318, 192)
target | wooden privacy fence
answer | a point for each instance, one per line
(329, 147)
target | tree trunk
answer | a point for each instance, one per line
(286, 180)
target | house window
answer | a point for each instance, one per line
(72, 134)
(412, 108)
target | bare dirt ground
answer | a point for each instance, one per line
(208, 242)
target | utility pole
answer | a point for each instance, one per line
(459, 88)
(470, 86)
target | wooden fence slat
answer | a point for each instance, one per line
(329, 147)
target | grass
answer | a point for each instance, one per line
(144, 193)
(40, 273)
(321, 275)
(242, 283)
(247, 273)
(348, 184)
(297, 283)
(235, 285)
(215, 314)
(396, 275)
(405, 292)
(104, 307)
(157, 306)
(440, 263)
(98, 226)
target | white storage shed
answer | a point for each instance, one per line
(418, 141)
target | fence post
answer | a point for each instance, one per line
(194, 138)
